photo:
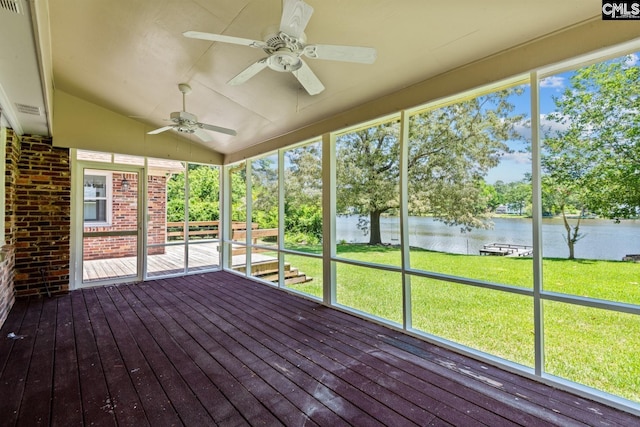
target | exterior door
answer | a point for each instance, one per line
(111, 225)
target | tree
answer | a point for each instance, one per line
(591, 164)
(367, 168)
(303, 194)
(264, 191)
(567, 197)
(175, 197)
(451, 149)
(517, 196)
(238, 184)
(203, 194)
(494, 199)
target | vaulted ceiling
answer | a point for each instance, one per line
(128, 56)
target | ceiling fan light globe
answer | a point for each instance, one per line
(284, 62)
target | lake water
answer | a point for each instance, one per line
(603, 239)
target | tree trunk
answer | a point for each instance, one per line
(374, 223)
(573, 234)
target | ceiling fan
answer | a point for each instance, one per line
(286, 46)
(188, 123)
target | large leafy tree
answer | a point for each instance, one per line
(518, 196)
(264, 191)
(238, 184)
(593, 162)
(303, 193)
(204, 193)
(204, 190)
(367, 169)
(451, 149)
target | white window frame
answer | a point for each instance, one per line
(108, 197)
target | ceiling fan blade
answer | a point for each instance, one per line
(225, 39)
(203, 135)
(308, 79)
(363, 55)
(249, 72)
(160, 130)
(295, 17)
(217, 129)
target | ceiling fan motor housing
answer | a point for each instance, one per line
(186, 122)
(183, 117)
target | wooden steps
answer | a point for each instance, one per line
(268, 270)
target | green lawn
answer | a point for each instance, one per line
(594, 347)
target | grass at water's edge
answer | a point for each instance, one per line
(591, 346)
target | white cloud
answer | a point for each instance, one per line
(523, 129)
(632, 60)
(548, 127)
(554, 82)
(551, 127)
(517, 157)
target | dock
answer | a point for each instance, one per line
(506, 249)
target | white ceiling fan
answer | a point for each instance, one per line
(286, 47)
(188, 123)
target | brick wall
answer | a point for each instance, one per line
(123, 217)
(42, 217)
(36, 254)
(7, 294)
(7, 252)
(157, 214)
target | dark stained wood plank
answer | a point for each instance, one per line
(14, 376)
(517, 415)
(356, 388)
(66, 406)
(226, 366)
(443, 380)
(154, 400)
(181, 398)
(39, 380)
(512, 394)
(124, 401)
(419, 397)
(93, 385)
(219, 349)
(271, 370)
(572, 405)
(487, 389)
(256, 364)
(172, 338)
(514, 387)
(11, 325)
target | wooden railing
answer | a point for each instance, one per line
(197, 229)
(210, 230)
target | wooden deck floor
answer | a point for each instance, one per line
(219, 349)
(202, 256)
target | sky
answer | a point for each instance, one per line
(513, 166)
